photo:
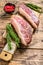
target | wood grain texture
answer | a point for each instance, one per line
(33, 54)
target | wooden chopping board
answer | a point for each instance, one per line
(34, 53)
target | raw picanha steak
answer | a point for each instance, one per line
(29, 15)
(23, 29)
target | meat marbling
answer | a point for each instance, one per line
(22, 28)
(29, 15)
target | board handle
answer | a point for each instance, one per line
(5, 56)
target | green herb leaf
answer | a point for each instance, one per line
(34, 7)
(13, 34)
(9, 41)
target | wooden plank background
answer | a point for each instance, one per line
(33, 54)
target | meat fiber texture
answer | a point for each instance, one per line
(23, 29)
(29, 15)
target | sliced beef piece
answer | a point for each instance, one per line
(23, 29)
(29, 15)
